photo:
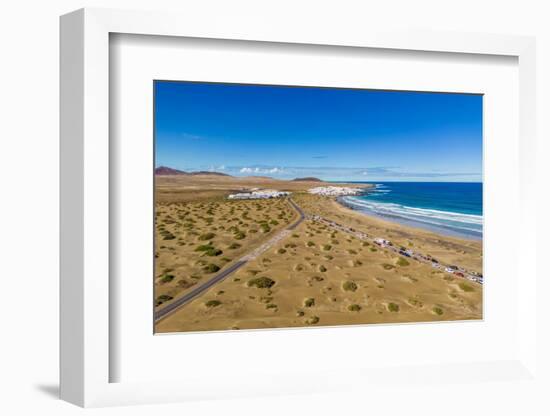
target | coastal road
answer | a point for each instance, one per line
(415, 256)
(189, 296)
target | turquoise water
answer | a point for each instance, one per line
(449, 208)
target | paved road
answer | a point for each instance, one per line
(189, 296)
(300, 213)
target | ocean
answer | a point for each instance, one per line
(449, 208)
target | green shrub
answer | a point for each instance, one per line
(211, 268)
(261, 282)
(349, 286)
(214, 252)
(309, 302)
(239, 235)
(402, 262)
(167, 278)
(437, 310)
(393, 307)
(207, 236)
(312, 320)
(212, 303)
(327, 247)
(163, 298)
(204, 247)
(310, 243)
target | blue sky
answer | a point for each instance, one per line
(333, 134)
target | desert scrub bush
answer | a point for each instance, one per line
(212, 303)
(300, 313)
(354, 308)
(350, 251)
(184, 284)
(265, 228)
(211, 268)
(365, 244)
(261, 282)
(295, 235)
(204, 247)
(281, 251)
(271, 306)
(465, 287)
(309, 302)
(318, 278)
(393, 307)
(312, 320)
(168, 236)
(402, 262)
(213, 252)
(266, 299)
(234, 246)
(163, 298)
(166, 278)
(206, 236)
(415, 302)
(388, 266)
(274, 222)
(437, 310)
(327, 247)
(290, 245)
(373, 249)
(322, 268)
(310, 244)
(349, 286)
(239, 235)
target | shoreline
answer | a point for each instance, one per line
(416, 224)
(453, 250)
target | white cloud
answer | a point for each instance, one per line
(261, 170)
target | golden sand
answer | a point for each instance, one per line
(314, 276)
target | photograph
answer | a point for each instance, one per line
(280, 206)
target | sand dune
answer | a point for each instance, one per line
(314, 276)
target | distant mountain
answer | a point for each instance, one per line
(206, 172)
(307, 179)
(164, 170)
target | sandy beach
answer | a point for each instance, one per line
(313, 275)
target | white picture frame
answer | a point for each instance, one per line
(85, 201)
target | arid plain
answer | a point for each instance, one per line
(311, 275)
